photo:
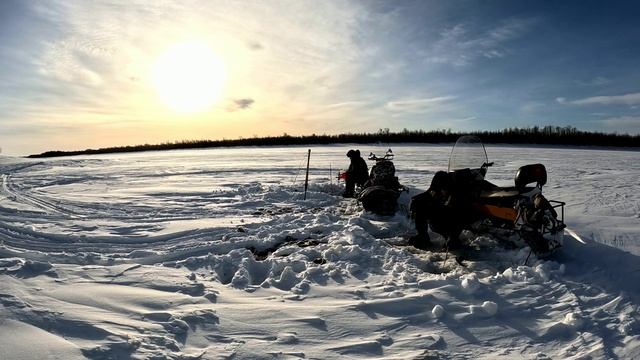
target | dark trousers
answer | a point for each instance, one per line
(427, 211)
(350, 186)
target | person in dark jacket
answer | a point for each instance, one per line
(439, 208)
(357, 174)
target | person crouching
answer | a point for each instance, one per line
(357, 174)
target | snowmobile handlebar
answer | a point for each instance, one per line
(387, 156)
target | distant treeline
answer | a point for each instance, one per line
(548, 135)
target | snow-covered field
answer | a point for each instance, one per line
(214, 254)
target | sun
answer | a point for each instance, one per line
(189, 77)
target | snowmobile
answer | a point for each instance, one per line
(483, 206)
(380, 193)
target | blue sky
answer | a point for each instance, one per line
(77, 74)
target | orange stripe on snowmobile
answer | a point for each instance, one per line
(499, 212)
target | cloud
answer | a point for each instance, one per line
(244, 103)
(532, 107)
(627, 99)
(240, 104)
(461, 121)
(418, 105)
(347, 104)
(597, 81)
(460, 45)
(623, 123)
(254, 45)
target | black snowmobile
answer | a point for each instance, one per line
(468, 201)
(380, 193)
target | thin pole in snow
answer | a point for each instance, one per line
(330, 175)
(306, 179)
(527, 259)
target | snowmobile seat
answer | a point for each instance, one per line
(533, 173)
(505, 192)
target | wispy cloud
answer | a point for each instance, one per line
(597, 81)
(460, 45)
(347, 104)
(418, 105)
(624, 123)
(532, 107)
(627, 99)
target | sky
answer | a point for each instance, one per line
(80, 74)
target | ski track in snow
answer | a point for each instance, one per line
(213, 254)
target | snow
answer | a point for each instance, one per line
(437, 311)
(214, 254)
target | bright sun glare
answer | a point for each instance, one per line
(189, 77)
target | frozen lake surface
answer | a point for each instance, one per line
(154, 193)
(213, 254)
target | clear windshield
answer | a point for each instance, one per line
(467, 153)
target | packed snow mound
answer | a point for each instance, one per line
(176, 256)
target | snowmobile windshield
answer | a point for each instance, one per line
(468, 153)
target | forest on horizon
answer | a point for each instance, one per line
(547, 135)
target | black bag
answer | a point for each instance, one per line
(379, 200)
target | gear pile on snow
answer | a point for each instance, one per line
(381, 191)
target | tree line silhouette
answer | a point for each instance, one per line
(547, 135)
